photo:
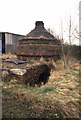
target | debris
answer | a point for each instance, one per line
(18, 71)
(33, 75)
(16, 61)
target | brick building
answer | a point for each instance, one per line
(38, 43)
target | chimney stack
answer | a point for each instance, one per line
(39, 24)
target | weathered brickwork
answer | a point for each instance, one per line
(39, 50)
(38, 43)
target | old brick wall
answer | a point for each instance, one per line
(38, 50)
(39, 41)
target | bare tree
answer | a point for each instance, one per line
(51, 31)
(73, 35)
(61, 41)
(62, 44)
(69, 46)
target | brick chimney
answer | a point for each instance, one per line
(39, 24)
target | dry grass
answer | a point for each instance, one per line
(60, 97)
(7, 56)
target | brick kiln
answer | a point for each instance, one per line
(38, 43)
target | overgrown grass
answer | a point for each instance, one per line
(8, 55)
(59, 98)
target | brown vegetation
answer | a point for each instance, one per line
(58, 98)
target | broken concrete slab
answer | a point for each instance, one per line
(18, 71)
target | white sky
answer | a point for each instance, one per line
(19, 16)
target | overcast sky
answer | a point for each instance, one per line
(19, 16)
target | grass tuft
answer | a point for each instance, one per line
(47, 89)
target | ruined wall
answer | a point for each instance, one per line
(36, 74)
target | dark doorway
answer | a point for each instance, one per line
(3, 43)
